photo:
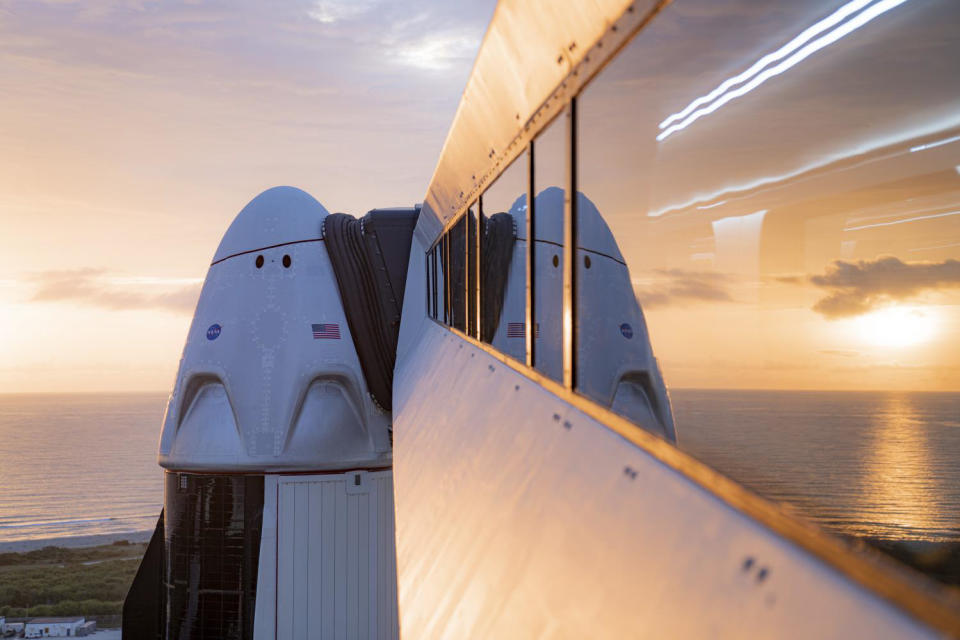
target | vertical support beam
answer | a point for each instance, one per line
(570, 248)
(433, 266)
(447, 306)
(466, 271)
(477, 253)
(531, 249)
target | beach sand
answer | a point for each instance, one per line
(20, 546)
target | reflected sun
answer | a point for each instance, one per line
(897, 326)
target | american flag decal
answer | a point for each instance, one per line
(329, 331)
(519, 330)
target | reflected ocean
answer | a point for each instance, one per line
(875, 464)
(882, 465)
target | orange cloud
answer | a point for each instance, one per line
(858, 287)
(89, 286)
(682, 286)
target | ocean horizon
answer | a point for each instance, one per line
(866, 464)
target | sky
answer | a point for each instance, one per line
(802, 234)
(133, 131)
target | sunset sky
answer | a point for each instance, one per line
(132, 131)
(806, 235)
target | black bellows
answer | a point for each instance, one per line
(370, 258)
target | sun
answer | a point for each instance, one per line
(897, 326)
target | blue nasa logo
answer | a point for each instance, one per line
(626, 330)
(213, 332)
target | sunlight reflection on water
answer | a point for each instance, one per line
(867, 464)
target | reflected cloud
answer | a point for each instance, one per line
(679, 286)
(95, 287)
(859, 287)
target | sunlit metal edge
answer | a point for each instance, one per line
(600, 52)
(570, 241)
(529, 286)
(920, 596)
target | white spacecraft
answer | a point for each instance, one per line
(276, 441)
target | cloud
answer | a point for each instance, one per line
(94, 288)
(332, 11)
(424, 35)
(343, 43)
(677, 286)
(855, 288)
(789, 279)
(439, 52)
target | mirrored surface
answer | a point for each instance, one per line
(504, 278)
(783, 183)
(549, 180)
(455, 275)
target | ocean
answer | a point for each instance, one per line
(867, 464)
(79, 465)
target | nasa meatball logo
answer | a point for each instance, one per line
(626, 330)
(213, 332)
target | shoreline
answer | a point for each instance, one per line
(73, 542)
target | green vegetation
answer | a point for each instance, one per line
(55, 581)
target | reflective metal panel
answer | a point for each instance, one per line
(456, 273)
(470, 220)
(550, 184)
(535, 54)
(504, 261)
(783, 182)
(527, 518)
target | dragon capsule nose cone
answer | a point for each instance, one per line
(270, 379)
(280, 215)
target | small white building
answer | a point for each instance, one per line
(14, 624)
(53, 627)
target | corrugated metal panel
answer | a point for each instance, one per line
(336, 575)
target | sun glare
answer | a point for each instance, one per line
(897, 326)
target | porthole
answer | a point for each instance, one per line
(556, 261)
(259, 261)
(286, 261)
(586, 261)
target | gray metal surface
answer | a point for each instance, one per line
(519, 515)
